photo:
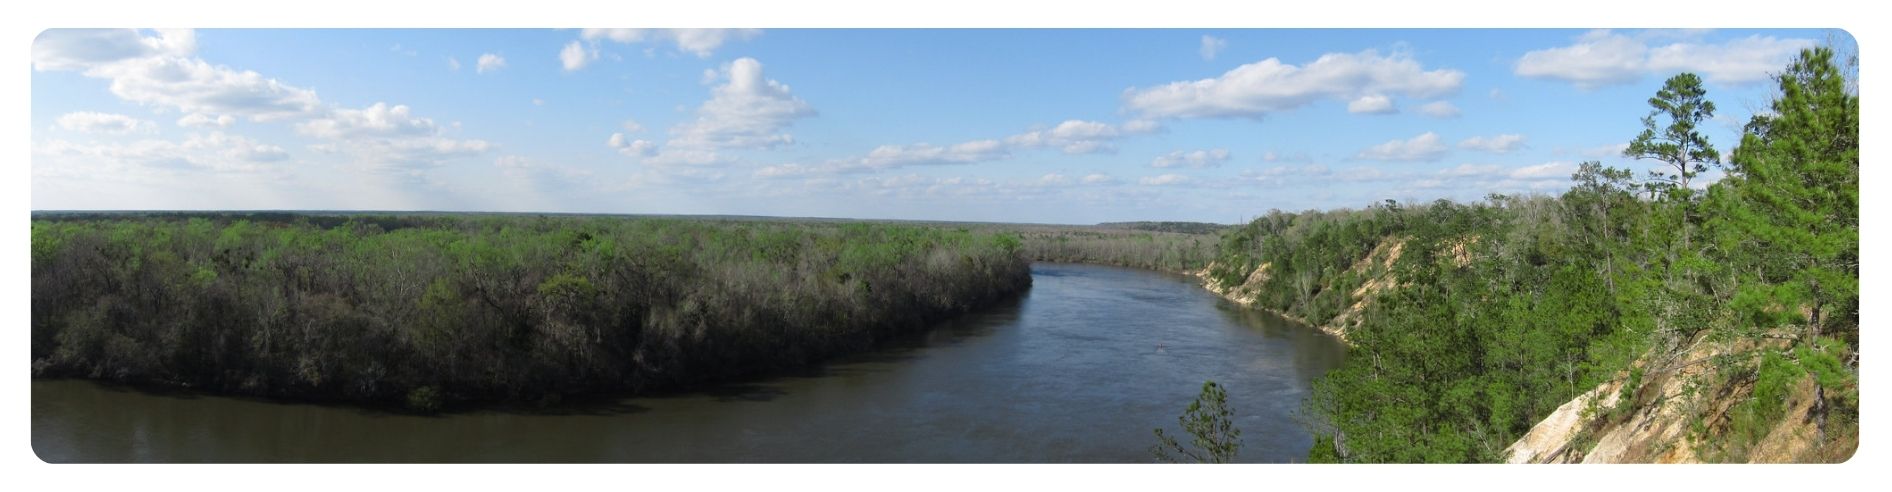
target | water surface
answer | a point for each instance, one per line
(1079, 370)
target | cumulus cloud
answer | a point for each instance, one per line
(1439, 109)
(159, 71)
(80, 49)
(748, 111)
(1212, 46)
(1196, 159)
(388, 138)
(1496, 144)
(575, 56)
(1604, 57)
(633, 148)
(1098, 179)
(214, 152)
(489, 63)
(1545, 171)
(378, 120)
(200, 120)
(700, 42)
(1425, 147)
(1372, 104)
(1069, 136)
(191, 85)
(1269, 86)
(1080, 136)
(1165, 180)
(104, 123)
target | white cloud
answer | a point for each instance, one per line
(1098, 179)
(1440, 109)
(1080, 136)
(1603, 57)
(1212, 46)
(1268, 86)
(748, 111)
(1197, 159)
(1545, 171)
(215, 152)
(1070, 136)
(1425, 147)
(1740, 61)
(379, 120)
(193, 86)
(633, 148)
(200, 120)
(700, 42)
(388, 138)
(1372, 104)
(1497, 144)
(104, 123)
(632, 126)
(490, 63)
(575, 56)
(162, 74)
(1165, 180)
(453, 64)
(1054, 179)
(80, 49)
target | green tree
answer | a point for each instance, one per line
(1788, 222)
(1211, 425)
(1680, 145)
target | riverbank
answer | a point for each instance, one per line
(1078, 370)
(428, 311)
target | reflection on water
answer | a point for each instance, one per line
(1080, 370)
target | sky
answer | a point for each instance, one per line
(1053, 125)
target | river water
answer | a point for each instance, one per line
(1079, 370)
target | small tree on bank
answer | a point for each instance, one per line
(1212, 426)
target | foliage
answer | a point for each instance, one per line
(1211, 426)
(1506, 309)
(426, 311)
(1173, 252)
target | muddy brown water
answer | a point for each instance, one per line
(1081, 369)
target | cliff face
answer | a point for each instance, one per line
(1376, 268)
(1682, 413)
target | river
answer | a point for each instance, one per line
(1078, 370)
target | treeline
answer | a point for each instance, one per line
(1167, 226)
(1505, 309)
(429, 311)
(1162, 251)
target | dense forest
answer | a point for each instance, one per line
(1174, 252)
(1167, 226)
(430, 310)
(1501, 311)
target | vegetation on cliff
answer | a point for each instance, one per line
(1505, 309)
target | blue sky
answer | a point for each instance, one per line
(1058, 125)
